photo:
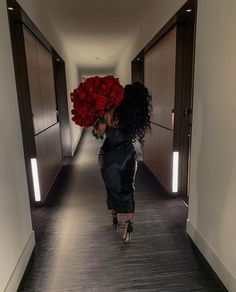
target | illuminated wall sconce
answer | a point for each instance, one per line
(34, 168)
(175, 174)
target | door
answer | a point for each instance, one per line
(184, 101)
(44, 112)
(159, 77)
(168, 74)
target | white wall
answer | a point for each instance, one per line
(16, 235)
(88, 72)
(43, 22)
(72, 75)
(157, 16)
(212, 209)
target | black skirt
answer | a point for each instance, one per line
(118, 166)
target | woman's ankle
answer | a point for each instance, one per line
(129, 217)
(114, 212)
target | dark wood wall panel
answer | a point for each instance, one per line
(159, 77)
(54, 149)
(152, 150)
(42, 98)
(49, 157)
(34, 81)
(168, 57)
(44, 111)
(46, 76)
(158, 153)
(41, 83)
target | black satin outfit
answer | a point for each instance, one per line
(118, 166)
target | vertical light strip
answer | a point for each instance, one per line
(175, 175)
(173, 118)
(34, 168)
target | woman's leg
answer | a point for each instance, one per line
(128, 227)
(129, 216)
(115, 218)
(113, 211)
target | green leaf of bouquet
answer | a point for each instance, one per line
(95, 134)
(102, 120)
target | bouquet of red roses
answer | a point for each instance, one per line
(93, 98)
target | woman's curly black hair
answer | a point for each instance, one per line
(134, 113)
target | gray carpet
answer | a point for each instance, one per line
(78, 250)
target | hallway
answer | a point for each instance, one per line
(77, 249)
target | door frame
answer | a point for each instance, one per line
(185, 53)
(17, 20)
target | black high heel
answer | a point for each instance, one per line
(128, 230)
(115, 221)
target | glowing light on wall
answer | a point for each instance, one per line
(34, 168)
(175, 174)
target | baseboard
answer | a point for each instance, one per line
(214, 261)
(21, 265)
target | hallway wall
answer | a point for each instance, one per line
(157, 16)
(212, 213)
(212, 218)
(43, 22)
(16, 234)
(88, 72)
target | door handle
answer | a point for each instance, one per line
(187, 111)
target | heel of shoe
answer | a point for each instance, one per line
(115, 221)
(128, 230)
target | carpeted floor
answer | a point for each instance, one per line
(78, 250)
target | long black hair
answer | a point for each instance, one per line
(134, 113)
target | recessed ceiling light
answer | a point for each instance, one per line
(138, 59)
(188, 10)
(10, 8)
(58, 60)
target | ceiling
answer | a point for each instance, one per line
(96, 31)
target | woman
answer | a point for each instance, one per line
(124, 125)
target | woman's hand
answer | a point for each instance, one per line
(109, 118)
(99, 128)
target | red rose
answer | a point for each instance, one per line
(93, 97)
(101, 102)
